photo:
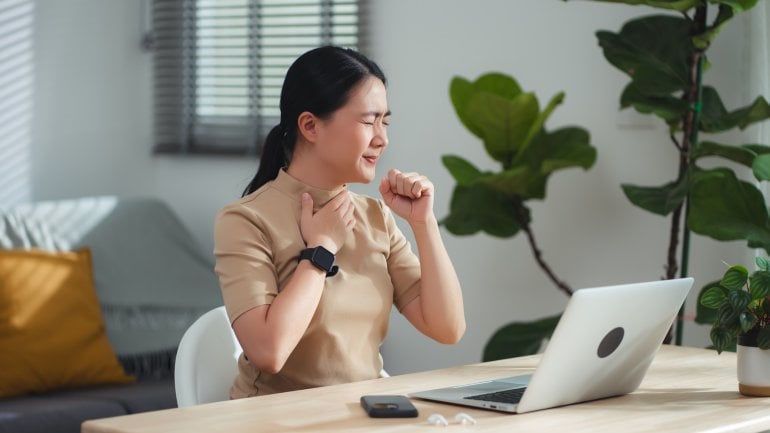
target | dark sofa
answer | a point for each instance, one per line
(64, 411)
(152, 281)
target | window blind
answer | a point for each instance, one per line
(219, 66)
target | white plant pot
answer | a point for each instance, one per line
(753, 371)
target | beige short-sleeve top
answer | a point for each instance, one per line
(257, 244)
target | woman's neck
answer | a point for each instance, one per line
(309, 173)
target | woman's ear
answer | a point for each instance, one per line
(307, 125)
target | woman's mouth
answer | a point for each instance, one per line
(371, 159)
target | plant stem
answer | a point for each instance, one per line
(673, 237)
(690, 143)
(523, 219)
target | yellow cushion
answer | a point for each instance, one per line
(51, 328)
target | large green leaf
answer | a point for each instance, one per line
(712, 297)
(738, 5)
(740, 154)
(739, 299)
(721, 338)
(759, 149)
(657, 65)
(747, 320)
(759, 285)
(761, 167)
(463, 171)
(497, 84)
(521, 181)
(477, 207)
(705, 314)
(727, 316)
(734, 278)
(678, 5)
(716, 118)
(726, 208)
(519, 338)
(763, 264)
(658, 200)
(504, 123)
(684, 5)
(564, 148)
(461, 90)
(666, 107)
(755, 156)
(537, 125)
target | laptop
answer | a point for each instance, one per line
(602, 347)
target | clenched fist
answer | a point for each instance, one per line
(408, 195)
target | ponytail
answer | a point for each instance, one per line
(274, 157)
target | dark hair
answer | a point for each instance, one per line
(319, 82)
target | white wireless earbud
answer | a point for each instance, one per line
(460, 418)
(437, 419)
(464, 418)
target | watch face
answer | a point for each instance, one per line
(323, 258)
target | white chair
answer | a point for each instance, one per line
(207, 360)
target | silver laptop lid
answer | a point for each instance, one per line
(604, 342)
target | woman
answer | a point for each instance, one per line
(308, 269)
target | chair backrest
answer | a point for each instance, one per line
(207, 360)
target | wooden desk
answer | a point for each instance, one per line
(685, 390)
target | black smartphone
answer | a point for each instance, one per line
(388, 406)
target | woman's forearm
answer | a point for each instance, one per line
(440, 301)
(270, 333)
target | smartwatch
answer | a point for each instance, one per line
(321, 258)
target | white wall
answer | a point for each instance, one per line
(92, 134)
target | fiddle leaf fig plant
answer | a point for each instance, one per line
(741, 306)
(664, 57)
(511, 126)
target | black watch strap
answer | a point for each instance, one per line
(321, 258)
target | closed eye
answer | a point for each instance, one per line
(372, 123)
(385, 117)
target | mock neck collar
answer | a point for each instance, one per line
(294, 187)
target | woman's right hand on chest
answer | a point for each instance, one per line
(330, 225)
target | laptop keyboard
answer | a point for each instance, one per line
(512, 396)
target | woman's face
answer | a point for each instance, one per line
(354, 137)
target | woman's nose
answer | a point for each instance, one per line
(380, 138)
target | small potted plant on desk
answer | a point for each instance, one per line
(742, 323)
